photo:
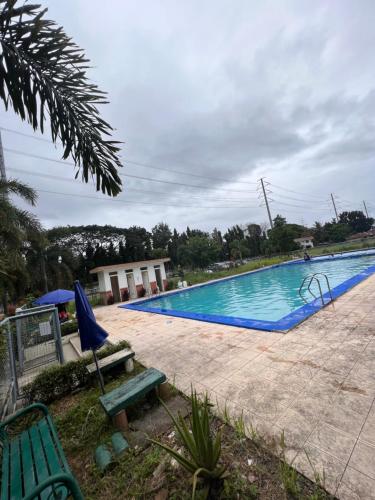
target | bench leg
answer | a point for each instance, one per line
(164, 391)
(129, 365)
(120, 421)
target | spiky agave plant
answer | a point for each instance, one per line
(202, 446)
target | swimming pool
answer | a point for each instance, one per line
(265, 299)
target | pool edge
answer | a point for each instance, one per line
(283, 325)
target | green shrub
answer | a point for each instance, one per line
(60, 380)
(69, 327)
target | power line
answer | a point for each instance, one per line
(296, 192)
(63, 162)
(148, 179)
(75, 195)
(294, 199)
(140, 164)
(298, 206)
(179, 172)
(64, 179)
(23, 134)
(298, 212)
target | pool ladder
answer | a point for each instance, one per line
(314, 278)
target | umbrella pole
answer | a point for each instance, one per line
(98, 371)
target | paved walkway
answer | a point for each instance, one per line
(316, 382)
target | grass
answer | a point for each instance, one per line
(146, 470)
(196, 277)
(343, 247)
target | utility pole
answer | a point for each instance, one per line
(3, 175)
(334, 207)
(266, 201)
(364, 204)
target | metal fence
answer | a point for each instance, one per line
(30, 341)
(7, 389)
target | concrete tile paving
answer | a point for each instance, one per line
(316, 383)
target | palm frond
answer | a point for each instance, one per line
(27, 222)
(43, 74)
(13, 186)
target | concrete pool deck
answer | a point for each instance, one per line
(315, 382)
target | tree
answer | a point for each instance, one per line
(161, 236)
(137, 244)
(281, 237)
(254, 238)
(17, 228)
(218, 238)
(112, 256)
(173, 247)
(78, 238)
(43, 74)
(279, 221)
(234, 233)
(336, 232)
(356, 220)
(198, 252)
(49, 267)
(239, 249)
(319, 233)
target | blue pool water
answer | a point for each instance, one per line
(267, 299)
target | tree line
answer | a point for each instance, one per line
(51, 259)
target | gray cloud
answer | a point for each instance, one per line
(225, 90)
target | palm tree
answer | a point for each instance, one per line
(43, 73)
(54, 266)
(17, 227)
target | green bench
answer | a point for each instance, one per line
(111, 361)
(116, 401)
(33, 462)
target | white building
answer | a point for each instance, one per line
(305, 242)
(122, 281)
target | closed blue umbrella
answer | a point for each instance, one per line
(56, 297)
(92, 335)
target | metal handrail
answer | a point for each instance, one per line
(327, 281)
(300, 289)
(314, 278)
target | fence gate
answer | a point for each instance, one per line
(32, 340)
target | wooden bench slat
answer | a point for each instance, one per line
(33, 457)
(29, 479)
(112, 360)
(5, 479)
(125, 395)
(53, 458)
(58, 446)
(40, 463)
(15, 470)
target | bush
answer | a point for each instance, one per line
(60, 380)
(125, 295)
(141, 292)
(69, 327)
(110, 300)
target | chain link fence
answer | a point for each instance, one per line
(30, 341)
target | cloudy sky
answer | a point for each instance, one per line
(208, 97)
